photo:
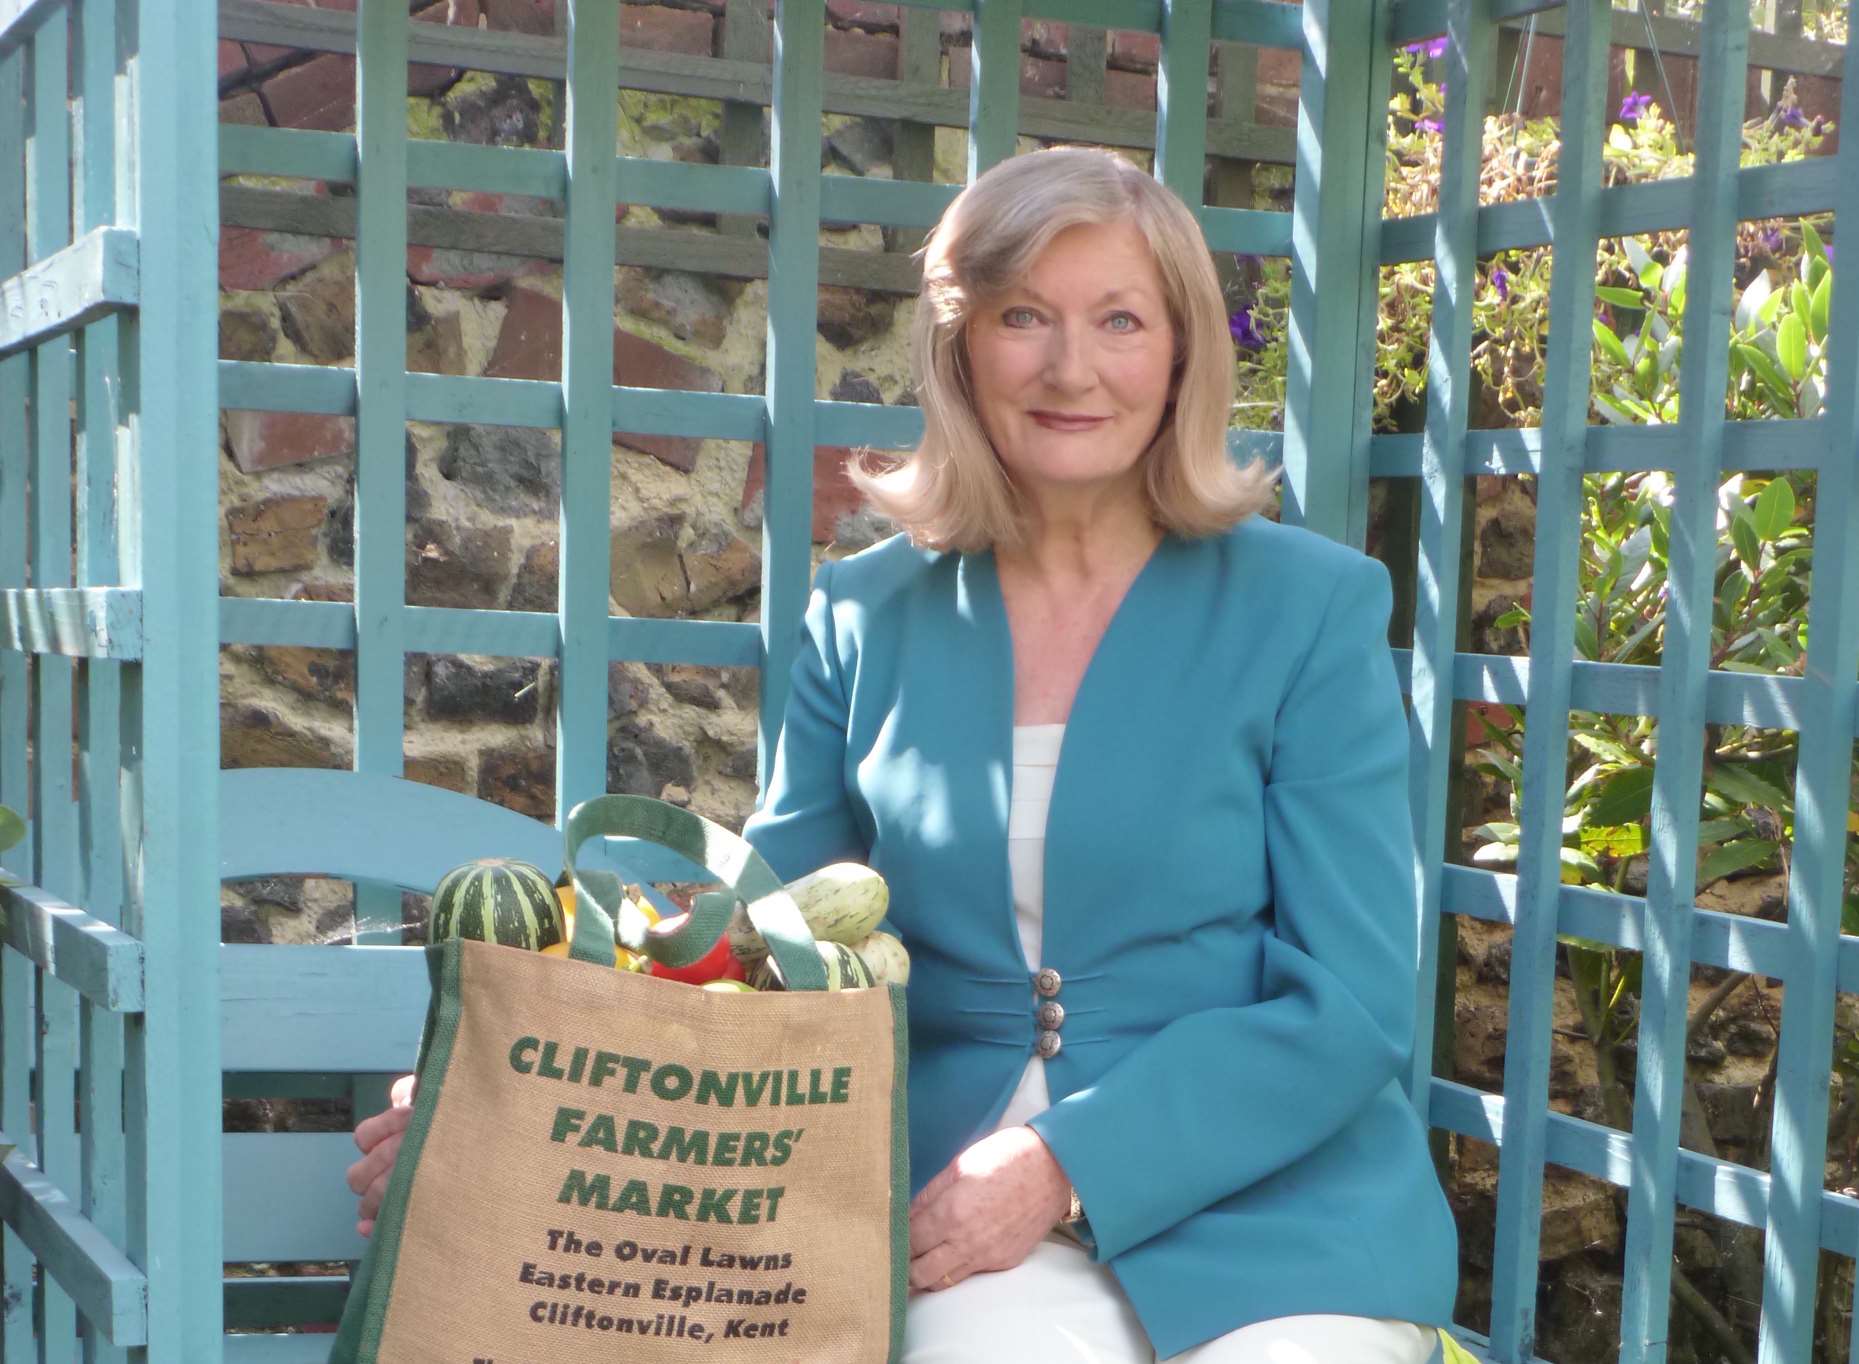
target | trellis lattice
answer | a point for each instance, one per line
(123, 1019)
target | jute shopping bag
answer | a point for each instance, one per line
(606, 1166)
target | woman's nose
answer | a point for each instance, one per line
(1069, 365)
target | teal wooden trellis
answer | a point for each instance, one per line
(118, 1002)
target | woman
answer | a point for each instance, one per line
(1133, 761)
(1185, 1016)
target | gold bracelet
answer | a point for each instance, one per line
(1075, 1213)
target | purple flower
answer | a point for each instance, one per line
(1772, 240)
(1427, 125)
(1633, 106)
(1434, 49)
(1792, 117)
(1500, 281)
(1245, 335)
(1828, 248)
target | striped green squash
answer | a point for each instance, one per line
(845, 970)
(495, 899)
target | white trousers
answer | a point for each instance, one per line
(1061, 1307)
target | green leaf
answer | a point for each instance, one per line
(1620, 298)
(1748, 543)
(1774, 511)
(1739, 784)
(1623, 798)
(1813, 398)
(1590, 947)
(1637, 256)
(1812, 246)
(1503, 765)
(1620, 411)
(1717, 830)
(1675, 275)
(1800, 303)
(1578, 868)
(1613, 840)
(1495, 854)
(1791, 346)
(1755, 295)
(1767, 372)
(1818, 304)
(1729, 858)
(1604, 337)
(1603, 747)
(1587, 644)
(12, 828)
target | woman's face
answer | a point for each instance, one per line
(1072, 367)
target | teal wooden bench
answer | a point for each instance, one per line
(111, 620)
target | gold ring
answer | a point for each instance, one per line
(945, 1282)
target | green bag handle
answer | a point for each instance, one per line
(725, 856)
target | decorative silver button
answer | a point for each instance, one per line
(1048, 1045)
(1051, 1015)
(1047, 982)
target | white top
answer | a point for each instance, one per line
(1035, 760)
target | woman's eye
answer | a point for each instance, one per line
(1122, 322)
(1019, 317)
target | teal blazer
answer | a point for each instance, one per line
(1229, 906)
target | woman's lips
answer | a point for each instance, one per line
(1065, 421)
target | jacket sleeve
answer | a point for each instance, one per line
(1234, 1095)
(805, 820)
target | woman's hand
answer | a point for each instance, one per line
(986, 1210)
(379, 1140)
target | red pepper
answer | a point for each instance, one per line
(719, 963)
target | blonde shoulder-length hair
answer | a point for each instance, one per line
(951, 491)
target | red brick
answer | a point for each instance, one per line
(231, 58)
(265, 54)
(667, 30)
(276, 535)
(1276, 106)
(863, 14)
(320, 94)
(639, 363)
(243, 108)
(1135, 51)
(1280, 66)
(1044, 38)
(1128, 90)
(253, 259)
(852, 53)
(268, 440)
(423, 79)
(450, 269)
(834, 494)
(520, 16)
(1040, 78)
(530, 347)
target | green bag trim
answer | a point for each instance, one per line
(725, 856)
(900, 1171)
(364, 1315)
